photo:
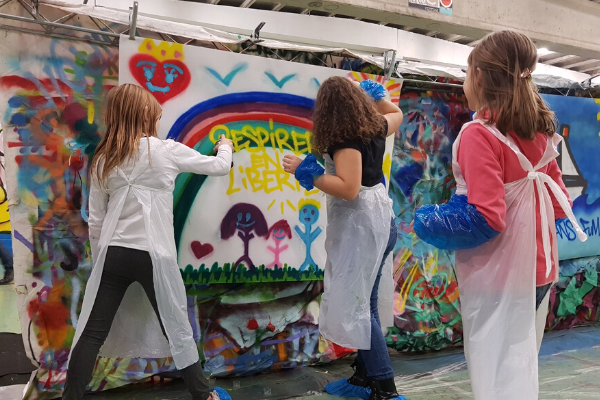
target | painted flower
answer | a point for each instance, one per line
(252, 324)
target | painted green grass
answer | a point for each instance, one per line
(226, 274)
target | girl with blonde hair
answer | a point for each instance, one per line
(136, 281)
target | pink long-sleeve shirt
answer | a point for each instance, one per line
(488, 164)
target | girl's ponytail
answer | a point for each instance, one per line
(506, 60)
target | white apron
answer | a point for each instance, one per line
(357, 235)
(135, 332)
(497, 282)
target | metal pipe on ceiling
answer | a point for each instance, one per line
(57, 25)
(56, 35)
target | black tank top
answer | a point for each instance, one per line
(372, 156)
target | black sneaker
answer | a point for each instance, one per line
(9, 276)
(385, 390)
(360, 375)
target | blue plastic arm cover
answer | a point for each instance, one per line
(456, 225)
(307, 171)
(373, 89)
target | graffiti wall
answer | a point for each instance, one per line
(5, 230)
(51, 103)
(257, 224)
(426, 302)
(579, 120)
(52, 99)
(575, 298)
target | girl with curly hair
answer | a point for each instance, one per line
(351, 124)
(132, 241)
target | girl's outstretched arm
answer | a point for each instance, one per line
(190, 160)
(469, 221)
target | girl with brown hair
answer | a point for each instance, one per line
(351, 124)
(501, 221)
(136, 281)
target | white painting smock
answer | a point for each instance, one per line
(357, 235)
(135, 331)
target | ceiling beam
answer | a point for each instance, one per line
(277, 7)
(551, 55)
(589, 69)
(580, 63)
(559, 59)
(454, 38)
(247, 3)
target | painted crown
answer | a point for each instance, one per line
(163, 51)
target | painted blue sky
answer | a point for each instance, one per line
(582, 114)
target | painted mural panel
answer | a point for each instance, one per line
(426, 301)
(257, 224)
(575, 299)
(579, 124)
(5, 230)
(51, 102)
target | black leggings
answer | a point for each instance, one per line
(122, 267)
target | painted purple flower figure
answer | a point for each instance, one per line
(245, 219)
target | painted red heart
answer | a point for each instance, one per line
(164, 79)
(201, 250)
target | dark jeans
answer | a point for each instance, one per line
(377, 360)
(6, 258)
(540, 293)
(122, 267)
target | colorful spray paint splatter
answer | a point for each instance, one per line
(52, 100)
(426, 302)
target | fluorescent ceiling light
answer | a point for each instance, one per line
(544, 52)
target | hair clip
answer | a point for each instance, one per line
(526, 74)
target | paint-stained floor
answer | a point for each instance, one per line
(569, 370)
(9, 322)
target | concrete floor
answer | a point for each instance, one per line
(9, 322)
(569, 370)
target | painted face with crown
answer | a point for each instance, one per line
(160, 69)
